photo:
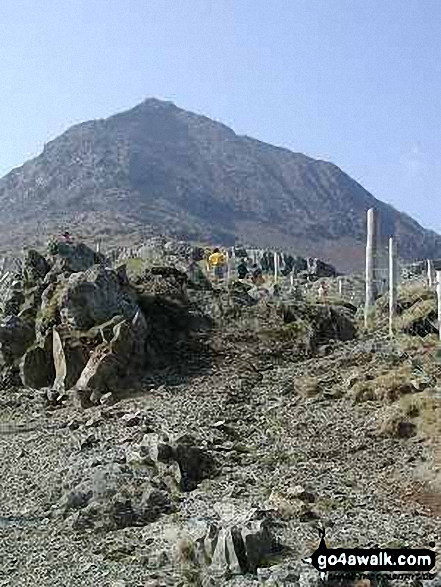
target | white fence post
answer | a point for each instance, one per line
(276, 267)
(392, 284)
(438, 294)
(340, 286)
(430, 272)
(370, 257)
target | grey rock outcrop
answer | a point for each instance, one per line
(237, 547)
(112, 497)
(112, 363)
(93, 297)
(35, 267)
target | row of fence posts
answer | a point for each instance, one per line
(393, 276)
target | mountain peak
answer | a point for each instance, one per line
(161, 166)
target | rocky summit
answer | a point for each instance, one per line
(160, 429)
(157, 166)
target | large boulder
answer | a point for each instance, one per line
(111, 497)
(37, 368)
(16, 336)
(182, 459)
(318, 324)
(93, 297)
(73, 257)
(112, 364)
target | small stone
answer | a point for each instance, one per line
(132, 419)
(107, 399)
(88, 442)
(93, 421)
(73, 425)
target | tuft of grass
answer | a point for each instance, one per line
(389, 386)
(425, 407)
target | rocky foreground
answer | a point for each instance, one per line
(156, 431)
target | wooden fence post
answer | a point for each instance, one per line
(276, 267)
(430, 272)
(392, 284)
(370, 259)
(438, 294)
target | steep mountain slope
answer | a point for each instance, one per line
(159, 166)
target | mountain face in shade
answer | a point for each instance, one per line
(170, 170)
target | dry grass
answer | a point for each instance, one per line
(425, 407)
(387, 386)
(309, 386)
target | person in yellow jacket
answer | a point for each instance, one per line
(217, 261)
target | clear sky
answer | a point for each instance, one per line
(356, 82)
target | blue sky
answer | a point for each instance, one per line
(356, 82)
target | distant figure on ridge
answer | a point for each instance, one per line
(217, 261)
(66, 237)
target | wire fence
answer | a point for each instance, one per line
(416, 315)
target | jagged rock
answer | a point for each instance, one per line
(102, 372)
(111, 364)
(37, 368)
(35, 267)
(238, 547)
(194, 463)
(93, 297)
(317, 269)
(15, 337)
(73, 257)
(70, 358)
(113, 497)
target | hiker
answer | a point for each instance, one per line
(256, 274)
(217, 261)
(242, 269)
(66, 237)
